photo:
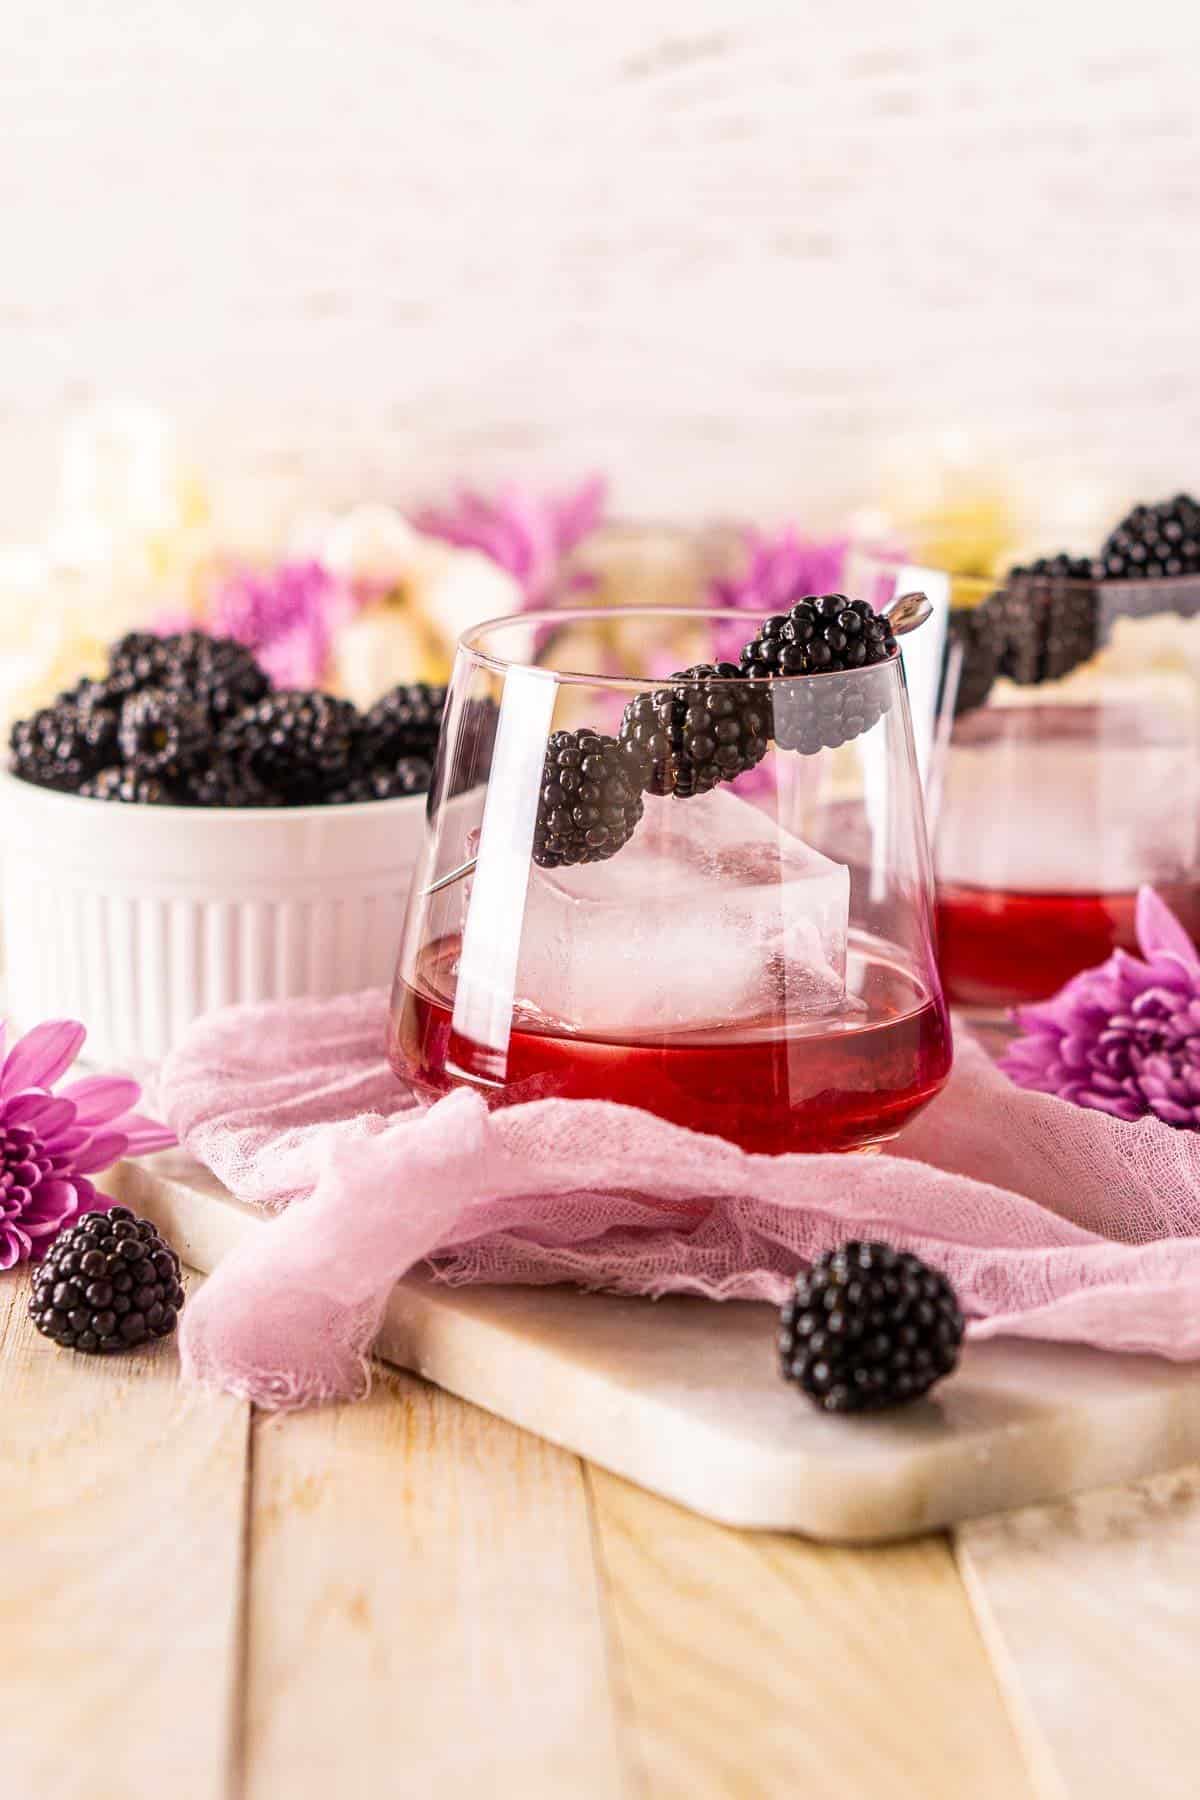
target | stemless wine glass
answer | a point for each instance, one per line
(749, 957)
(1070, 774)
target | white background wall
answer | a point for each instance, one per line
(742, 256)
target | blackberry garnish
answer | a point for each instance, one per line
(976, 628)
(1047, 615)
(108, 1282)
(1153, 542)
(163, 733)
(404, 722)
(868, 1327)
(823, 634)
(300, 747)
(710, 725)
(589, 805)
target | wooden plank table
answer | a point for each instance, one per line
(410, 1597)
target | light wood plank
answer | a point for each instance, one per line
(424, 1612)
(684, 1397)
(121, 1512)
(756, 1666)
(1092, 1609)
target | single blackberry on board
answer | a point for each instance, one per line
(823, 634)
(301, 747)
(163, 733)
(108, 1282)
(1153, 542)
(868, 1327)
(589, 805)
(405, 722)
(710, 725)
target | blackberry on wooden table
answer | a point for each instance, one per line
(589, 804)
(109, 1282)
(868, 1327)
(709, 725)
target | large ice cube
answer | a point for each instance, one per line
(709, 916)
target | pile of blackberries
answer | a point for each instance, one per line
(192, 720)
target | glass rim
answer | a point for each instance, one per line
(469, 645)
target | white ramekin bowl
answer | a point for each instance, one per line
(138, 919)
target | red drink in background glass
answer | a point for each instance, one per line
(999, 948)
(1052, 816)
(769, 1085)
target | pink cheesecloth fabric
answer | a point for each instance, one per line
(1051, 1221)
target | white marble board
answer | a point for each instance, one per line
(683, 1397)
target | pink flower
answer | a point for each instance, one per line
(782, 570)
(50, 1143)
(287, 615)
(1123, 1038)
(530, 535)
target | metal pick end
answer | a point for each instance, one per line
(907, 611)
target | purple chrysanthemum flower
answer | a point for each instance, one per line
(50, 1143)
(530, 535)
(287, 615)
(1123, 1038)
(782, 570)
